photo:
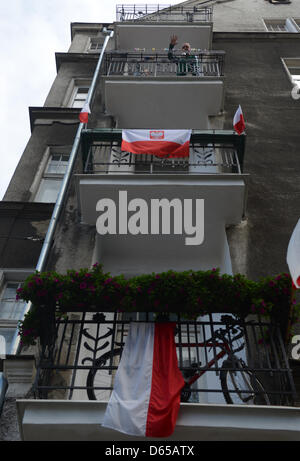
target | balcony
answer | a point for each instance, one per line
(176, 94)
(150, 26)
(224, 360)
(141, 13)
(142, 64)
(212, 173)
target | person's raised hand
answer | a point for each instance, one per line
(174, 40)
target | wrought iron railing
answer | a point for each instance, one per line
(107, 157)
(221, 358)
(211, 151)
(157, 12)
(143, 64)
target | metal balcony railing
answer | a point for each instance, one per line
(222, 359)
(211, 152)
(157, 12)
(107, 157)
(203, 64)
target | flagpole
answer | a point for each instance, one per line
(63, 189)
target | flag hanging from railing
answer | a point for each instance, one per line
(293, 255)
(238, 121)
(146, 395)
(163, 143)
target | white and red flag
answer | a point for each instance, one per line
(146, 395)
(238, 121)
(293, 255)
(84, 114)
(163, 143)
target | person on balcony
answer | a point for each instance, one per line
(187, 62)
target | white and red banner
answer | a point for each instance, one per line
(238, 121)
(146, 396)
(293, 255)
(163, 143)
(84, 114)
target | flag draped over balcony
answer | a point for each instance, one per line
(293, 255)
(163, 143)
(146, 396)
(238, 121)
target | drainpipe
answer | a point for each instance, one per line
(64, 186)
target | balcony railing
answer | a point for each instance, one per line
(221, 358)
(210, 152)
(157, 12)
(204, 64)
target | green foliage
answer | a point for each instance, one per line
(191, 293)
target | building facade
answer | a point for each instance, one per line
(248, 190)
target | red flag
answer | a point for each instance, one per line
(163, 143)
(84, 114)
(146, 396)
(238, 121)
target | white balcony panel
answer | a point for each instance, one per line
(133, 254)
(58, 420)
(183, 102)
(149, 36)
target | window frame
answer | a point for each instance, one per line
(15, 276)
(45, 175)
(288, 23)
(287, 67)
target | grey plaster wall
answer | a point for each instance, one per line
(256, 79)
(23, 227)
(9, 428)
(75, 68)
(56, 134)
(247, 16)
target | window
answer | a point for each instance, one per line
(51, 181)
(95, 45)
(79, 96)
(292, 66)
(77, 92)
(279, 1)
(11, 311)
(281, 25)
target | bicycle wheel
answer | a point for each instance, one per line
(99, 381)
(241, 386)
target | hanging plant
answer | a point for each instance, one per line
(190, 293)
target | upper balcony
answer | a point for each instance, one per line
(150, 26)
(158, 12)
(178, 93)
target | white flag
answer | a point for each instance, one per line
(293, 255)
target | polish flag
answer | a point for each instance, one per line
(163, 143)
(84, 114)
(146, 396)
(293, 255)
(238, 121)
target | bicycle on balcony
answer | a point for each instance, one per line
(239, 383)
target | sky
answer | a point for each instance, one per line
(31, 31)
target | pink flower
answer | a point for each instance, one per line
(107, 281)
(83, 285)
